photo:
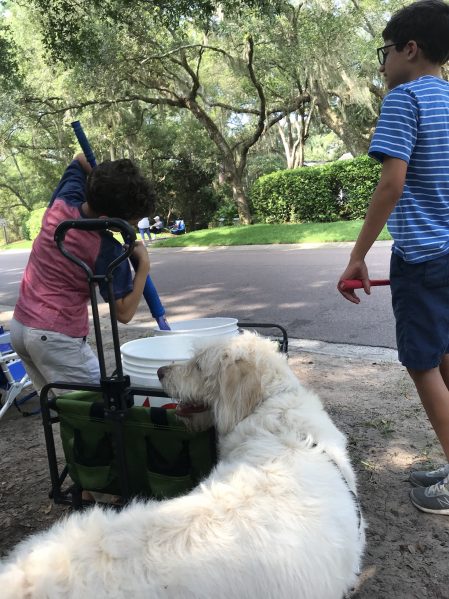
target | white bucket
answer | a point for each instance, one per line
(202, 327)
(141, 359)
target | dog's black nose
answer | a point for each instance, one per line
(161, 372)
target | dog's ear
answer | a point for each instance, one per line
(240, 392)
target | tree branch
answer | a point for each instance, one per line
(180, 103)
(283, 111)
(193, 76)
(254, 111)
(23, 202)
(181, 49)
(369, 27)
(262, 102)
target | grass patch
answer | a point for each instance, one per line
(256, 235)
(384, 426)
(269, 234)
(23, 244)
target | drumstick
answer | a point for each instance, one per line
(348, 284)
(149, 293)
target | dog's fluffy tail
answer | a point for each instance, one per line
(12, 582)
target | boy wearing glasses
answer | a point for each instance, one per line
(412, 143)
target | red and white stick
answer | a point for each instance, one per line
(348, 284)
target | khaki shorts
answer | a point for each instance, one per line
(49, 356)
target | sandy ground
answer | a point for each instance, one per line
(373, 402)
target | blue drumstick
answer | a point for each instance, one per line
(149, 293)
(84, 143)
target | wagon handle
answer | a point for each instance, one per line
(96, 224)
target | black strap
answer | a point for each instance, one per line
(159, 416)
(96, 411)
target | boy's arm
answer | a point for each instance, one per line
(83, 162)
(126, 306)
(385, 198)
(72, 185)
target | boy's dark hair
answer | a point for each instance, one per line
(427, 23)
(118, 189)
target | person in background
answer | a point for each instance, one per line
(144, 227)
(411, 141)
(158, 225)
(179, 228)
(50, 323)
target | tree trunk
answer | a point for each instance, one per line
(352, 139)
(299, 159)
(294, 139)
(240, 199)
(337, 122)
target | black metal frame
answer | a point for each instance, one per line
(117, 392)
(283, 345)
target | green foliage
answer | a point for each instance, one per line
(186, 192)
(269, 197)
(323, 146)
(70, 30)
(8, 63)
(355, 180)
(340, 190)
(226, 211)
(33, 224)
(313, 200)
(26, 233)
(263, 163)
(298, 195)
(128, 78)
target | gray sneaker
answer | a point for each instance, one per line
(421, 478)
(434, 499)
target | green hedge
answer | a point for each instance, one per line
(225, 213)
(355, 182)
(32, 225)
(336, 191)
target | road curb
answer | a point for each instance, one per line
(366, 353)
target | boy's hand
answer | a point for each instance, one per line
(355, 270)
(83, 162)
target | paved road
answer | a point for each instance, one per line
(12, 263)
(288, 284)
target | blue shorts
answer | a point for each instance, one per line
(420, 298)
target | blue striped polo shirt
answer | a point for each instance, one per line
(414, 126)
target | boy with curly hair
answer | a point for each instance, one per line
(50, 322)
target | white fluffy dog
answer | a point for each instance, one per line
(276, 519)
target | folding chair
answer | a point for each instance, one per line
(13, 378)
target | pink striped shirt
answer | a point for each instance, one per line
(54, 292)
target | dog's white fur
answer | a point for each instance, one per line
(276, 519)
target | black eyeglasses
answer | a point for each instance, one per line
(382, 55)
